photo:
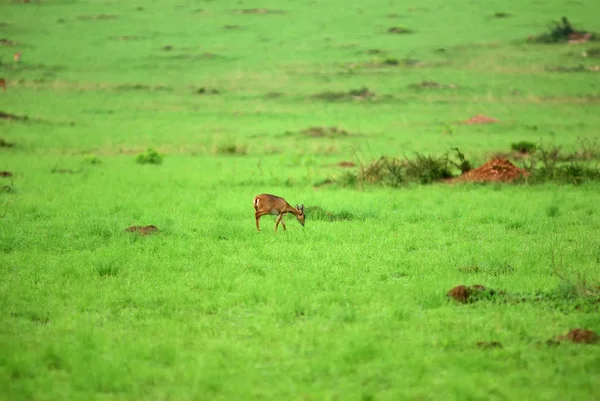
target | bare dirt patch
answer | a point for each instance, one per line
(496, 170)
(330, 132)
(142, 230)
(6, 174)
(431, 85)
(259, 11)
(98, 17)
(10, 116)
(358, 94)
(142, 87)
(346, 164)
(580, 336)
(489, 344)
(480, 119)
(466, 294)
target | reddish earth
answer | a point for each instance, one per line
(496, 170)
(464, 294)
(480, 119)
(346, 164)
(578, 37)
(143, 230)
(5, 174)
(580, 336)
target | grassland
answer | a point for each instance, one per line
(353, 308)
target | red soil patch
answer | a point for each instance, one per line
(480, 119)
(346, 164)
(496, 170)
(578, 37)
(5, 174)
(580, 336)
(465, 294)
(143, 230)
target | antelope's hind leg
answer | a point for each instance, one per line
(283, 223)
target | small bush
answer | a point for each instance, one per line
(91, 159)
(427, 169)
(501, 14)
(523, 147)
(150, 156)
(232, 149)
(391, 61)
(558, 32)
(399, 30)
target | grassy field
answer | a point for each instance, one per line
(352, 306)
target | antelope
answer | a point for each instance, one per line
(275, 205)
(17, 57)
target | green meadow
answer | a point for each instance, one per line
(292, 98)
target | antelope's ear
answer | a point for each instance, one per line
(297, 207)
(302, 207)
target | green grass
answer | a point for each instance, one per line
(352, 306)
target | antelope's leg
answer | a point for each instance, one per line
(278, 221)
(257, 216)
(283, 223)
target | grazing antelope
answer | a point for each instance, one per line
(271, 204)
(17, 57)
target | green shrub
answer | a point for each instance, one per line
(523, 147)
(150, 156)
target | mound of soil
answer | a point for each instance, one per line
(4, 144)
(465, 294)
(496, 170)
(143, 230)
(579, 37)
(580, 336)
(325, 131)
(346, 164)
(480, 119)
(489, 344)
(6, 174)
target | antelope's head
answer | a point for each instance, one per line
(300, 216)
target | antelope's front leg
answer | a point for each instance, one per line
(278, 221)
(283, 223)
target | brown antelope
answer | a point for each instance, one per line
(275, 205)
(17, 57)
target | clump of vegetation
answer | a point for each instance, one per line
(360, 93)
(318, 213)
(394, 172)
(561, 31)
(232, 149)
(399, 30)
(523, 147)
(501, 14)
(91, 159)
(391, 61)
(149, 156)
(549, 164)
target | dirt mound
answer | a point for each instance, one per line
(579, 37)
(466, 294)
(480, 119)
(496, 170)
(6, 174)
(143, 230)
(580, 336)
(346, 164)
(325, 131)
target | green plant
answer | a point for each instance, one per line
(149, 156)
(523, 147)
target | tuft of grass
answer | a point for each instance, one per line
(399, 30)
(91, 159)
(523, 147)
(318, 213)
(232, 149)
(149, 156)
